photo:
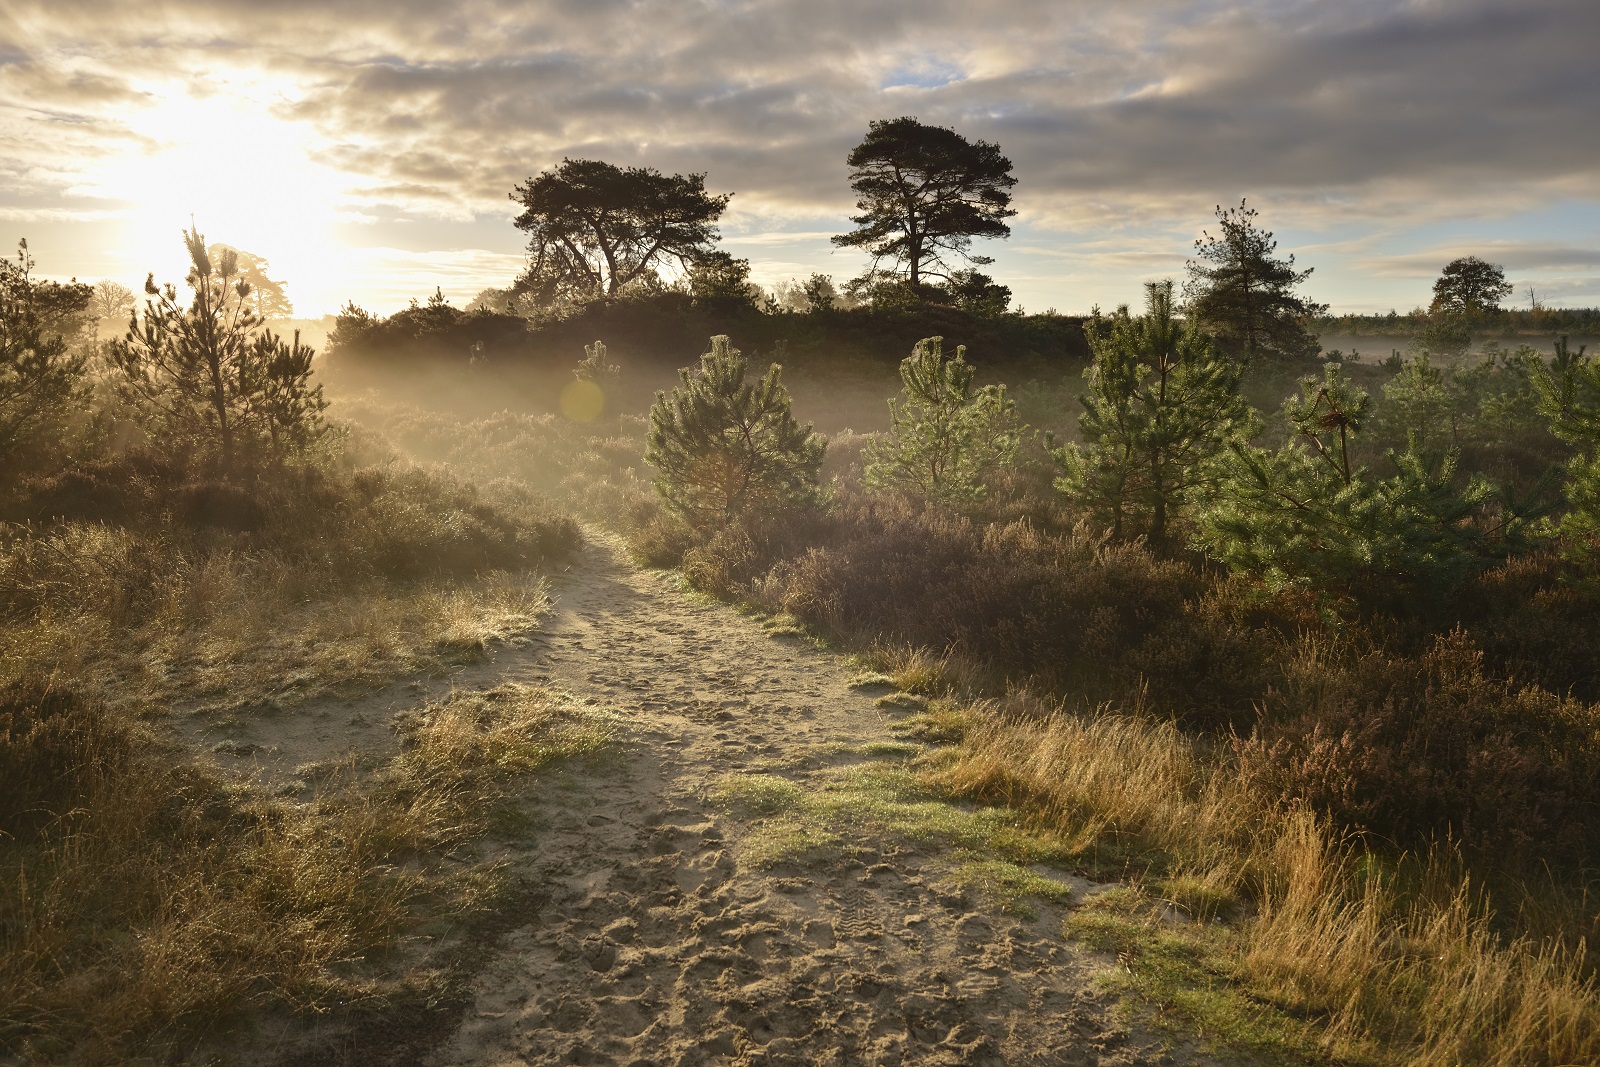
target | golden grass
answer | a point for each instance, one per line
(231, 630)
(168, 904)
(1400, 962)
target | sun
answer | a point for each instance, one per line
(247, 176)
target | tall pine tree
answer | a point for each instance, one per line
(1160, 408)
(1242, 294)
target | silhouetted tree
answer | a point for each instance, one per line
(40, 373)
(210, 375)
(595, 228)
(1470, 287)
(111, 300)
(977, 294)
(820, 294)
(725, 448)
(925, 192)
(718, 280)
(267, 296)
(1243, 295)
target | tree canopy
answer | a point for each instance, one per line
(595, 228)
(1243, 295)
(1470, 286)
(210, 376)
(267, 296)
(924, 193)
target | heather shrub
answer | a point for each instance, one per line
(1537, 619)
(1071, 611)
(1420, 749)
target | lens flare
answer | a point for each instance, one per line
(582, 401)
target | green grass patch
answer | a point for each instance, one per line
(873, 800)
(1178, 976)
(939, 723)
(1010, 886)
(902, 702)
(891, 750)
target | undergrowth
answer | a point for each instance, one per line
(149, 906)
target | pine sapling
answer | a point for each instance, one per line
(727, 449)
(945, 438)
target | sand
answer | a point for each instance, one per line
(649, 939)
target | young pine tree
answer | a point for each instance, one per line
(1307, 514)
(1161, 407)
(945, 437)
(726, 449)
(597, 367)
(1568, 388)
(211, 376)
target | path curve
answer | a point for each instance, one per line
(655, 946)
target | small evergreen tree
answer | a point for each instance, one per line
(282, 400)
(1307, 514)
(41, 374)
(1569, 397)
(597, 367)
(211, 376)
(726, 449)
(945, 437)
(1160, 409)
(819, 293)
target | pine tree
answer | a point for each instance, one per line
(1243, 295)
(726, 449)
(1306, 514)
(1160, 409)
(1568, 386)
(211, 376)
(945, 437)
(597, 367)
(41, 373)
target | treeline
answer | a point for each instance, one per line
(1505, 323)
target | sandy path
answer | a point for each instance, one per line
(654, 946)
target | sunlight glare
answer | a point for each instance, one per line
(248, 177)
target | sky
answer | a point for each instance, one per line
(367, 148)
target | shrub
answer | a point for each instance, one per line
(1415, 750)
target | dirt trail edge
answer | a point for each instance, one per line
(656, 946)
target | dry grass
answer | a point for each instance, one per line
(1400, 962)
(148, 906)
(156, 905)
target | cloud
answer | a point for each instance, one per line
(1121, 118)
(1513, 255)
